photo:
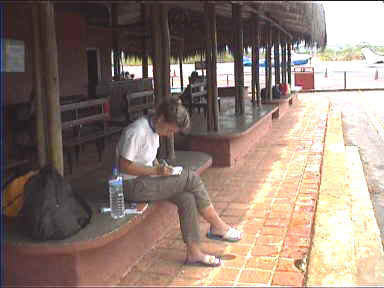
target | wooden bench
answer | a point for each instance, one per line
(197, 97)
(116, 92)
(139, 103)
(83, 122)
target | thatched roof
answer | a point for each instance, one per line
(300, 21)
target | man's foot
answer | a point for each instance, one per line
(231, 235)
(206, 261)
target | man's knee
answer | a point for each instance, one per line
(194, 179)
(186, 201)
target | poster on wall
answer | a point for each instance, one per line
(13, 56)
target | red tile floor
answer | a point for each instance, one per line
(271, 196)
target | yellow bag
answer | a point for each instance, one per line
(13, 195)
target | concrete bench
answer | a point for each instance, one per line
(103, 251)
(236, 135)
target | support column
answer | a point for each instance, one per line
(144, 16)
(289, 68)
(115, 41)
(166, 50)
(52, 86)
(257, 62)
(41, 108)
(181, 57)
(266, 67)
(167, 150)
(253, 71)
(156, 52)
(238, 55)
(269, 92)
(181, 72)
(277, 57)
(211, 57)
(283, 62)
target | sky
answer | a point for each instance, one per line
(354, 22)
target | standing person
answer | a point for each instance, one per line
(147, 180)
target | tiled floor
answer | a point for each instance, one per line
(271, 196)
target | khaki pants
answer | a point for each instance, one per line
(186, 191)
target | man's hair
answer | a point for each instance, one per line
(174, 112)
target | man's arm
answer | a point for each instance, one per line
(137, 169)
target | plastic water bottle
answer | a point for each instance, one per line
(116, 195)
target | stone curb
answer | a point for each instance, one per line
(346, 244)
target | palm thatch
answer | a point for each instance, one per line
(297, 21)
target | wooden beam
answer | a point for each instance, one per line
(115, 42)
(277, 57)
(208, 59)
(145, 15)
(283, 62)
(238, 55)
(270, 63)
(289, 63)
(269, 20)
(156, 52)
(52, 87)
(257, 59)
(210, 20)
(41, 108)
(168, 142)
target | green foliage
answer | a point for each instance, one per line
(347, 53)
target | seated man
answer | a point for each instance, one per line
(184, 97)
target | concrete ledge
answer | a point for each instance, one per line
(102, 252)
(229, 91)
(236, 136)
(283, 105)
(346, 248)
(369, 251)
(332, 256)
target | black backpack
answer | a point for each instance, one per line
(51, 210)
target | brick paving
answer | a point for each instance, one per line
(271, 196)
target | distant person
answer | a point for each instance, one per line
(185, 95)
(146, 180)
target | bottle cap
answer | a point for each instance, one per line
(114, 171)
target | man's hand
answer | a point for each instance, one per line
(164, 170)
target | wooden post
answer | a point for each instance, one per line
(238, 55)
(270, 63)
(253, 71)
(283, 62)
(255, 63)
(167, 143)
(52, 87)
(266, 66)
(257, 67)
(144, 16)
(181, 72)
(201, 60)
(214, 66)
(181, 62)
(289, 68)
(166, 50)
(115, 41)
(211, 57)
(41, 108)
(277, 58)
(208, 59)
(156, 52)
